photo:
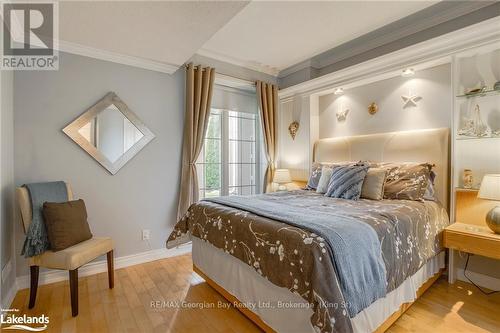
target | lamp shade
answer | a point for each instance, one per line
(282, 176)
(490, 187)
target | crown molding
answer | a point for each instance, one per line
(425, 19)
(430, 51)
(238, 62)
(118, 58)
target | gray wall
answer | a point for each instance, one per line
(143, 194)
(7, 183)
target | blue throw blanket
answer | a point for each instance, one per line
(354, 245)
(36, 241)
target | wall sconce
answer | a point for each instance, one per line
(293, 128)
(339, 91)
(408, 72)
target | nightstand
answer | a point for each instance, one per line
(471, 239)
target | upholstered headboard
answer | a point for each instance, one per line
(421, 146)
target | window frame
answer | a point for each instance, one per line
(224, 154)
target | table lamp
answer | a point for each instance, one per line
(490, 190)
(282, 177)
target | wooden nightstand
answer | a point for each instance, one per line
(471, 239)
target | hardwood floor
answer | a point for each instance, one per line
(131, 306)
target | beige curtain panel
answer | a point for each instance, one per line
(267, 95)
(199, 87)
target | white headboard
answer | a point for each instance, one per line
(431, 146)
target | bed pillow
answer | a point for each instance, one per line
(66, 223)
(324, 180)
(312, 183)
(406, 181)
(374, 183)
(346, 181)
(430, 192)
(316, 168)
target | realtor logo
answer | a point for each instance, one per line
(29, 33)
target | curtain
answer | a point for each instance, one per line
(267, 97)
(199, 86)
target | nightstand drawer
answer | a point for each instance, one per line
(484, 246)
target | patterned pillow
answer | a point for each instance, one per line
(346, 181)
(312, 184)
(406, 181)
(316, 168)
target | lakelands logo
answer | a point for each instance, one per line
(29, 34)
(24, 322)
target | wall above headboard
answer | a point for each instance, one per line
(318, 113)
(433, 110)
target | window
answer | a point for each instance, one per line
(230, 158)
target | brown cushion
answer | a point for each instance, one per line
(406, 181)
(66, 223)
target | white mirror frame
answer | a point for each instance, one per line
(111, 98)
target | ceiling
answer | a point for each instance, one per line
(163, 32)
(276, 35)
(266, 36)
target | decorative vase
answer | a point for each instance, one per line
(468, 178)
(493, 219)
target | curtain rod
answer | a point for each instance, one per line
(228, 76)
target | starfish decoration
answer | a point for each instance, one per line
(410, 100)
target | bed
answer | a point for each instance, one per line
(279, 260)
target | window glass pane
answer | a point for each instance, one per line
(246, 190)
(233, 124)
(212, 193)
(234, 151)
(212, 149)
(247, 129)
(247, 152)
(212, 176)
(234, 174)
(214, 126)
(233, 191)
(247, 174)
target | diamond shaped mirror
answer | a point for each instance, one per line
(110, 133)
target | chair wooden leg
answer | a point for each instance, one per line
(73, 286)
(111, 270)
(34, 271)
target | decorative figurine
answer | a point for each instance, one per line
(293, 128)
(342, 114)
(468, 178)
(372, 108)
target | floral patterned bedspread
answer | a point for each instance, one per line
(297, 259)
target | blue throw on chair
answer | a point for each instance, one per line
(36, 241)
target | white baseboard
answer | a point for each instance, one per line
(54, 275)
(481, 280)
(8, 298)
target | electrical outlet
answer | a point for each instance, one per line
(146, 234)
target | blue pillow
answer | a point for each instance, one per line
(346, 181)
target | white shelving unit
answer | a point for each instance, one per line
(473, 69)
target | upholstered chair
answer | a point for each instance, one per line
(69, 259)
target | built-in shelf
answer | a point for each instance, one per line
(465, 137)
(463, 189)
(481, 94)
